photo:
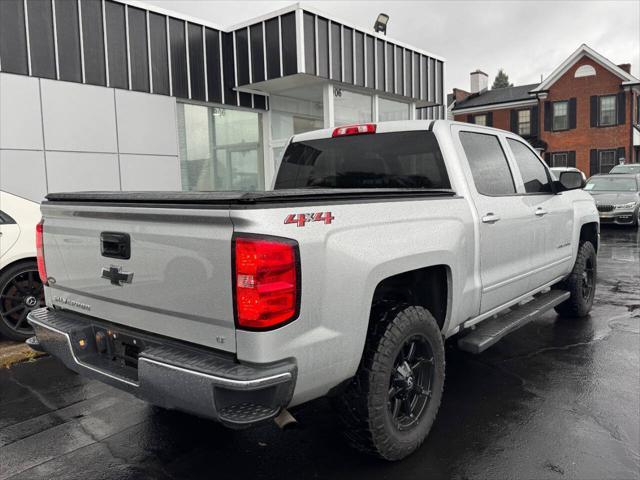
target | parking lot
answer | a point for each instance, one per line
(557, 399)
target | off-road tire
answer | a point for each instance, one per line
(578, 304)
(363, 407)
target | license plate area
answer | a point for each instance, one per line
(108, 349)
(118, 347)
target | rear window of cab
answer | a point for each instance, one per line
(380, 160)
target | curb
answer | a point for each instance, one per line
(14, 352)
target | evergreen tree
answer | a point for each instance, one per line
(501, 80)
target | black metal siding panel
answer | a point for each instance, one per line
(424, 62)
(416, 75)
(369, 43)
(336, 52)
(260, 102)
(159, 58)
(257, 52)
(408, 66)
(93, 42)
(13, 39)
(390, 65)
(229, 83)
(242, 56)
(138, 50)
(380, 64)
(348, 54)
(116, 45)
(245, 99)
(309, 43)
(214, 82)
(438, 83)
(399, 71)
(68, 31)
(432, 79)
(178, 58)
(43, 57)
(359, 60)
(323, 48)
(273, 48)
(196, 62)
(289, 45)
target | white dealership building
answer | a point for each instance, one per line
(116, 95)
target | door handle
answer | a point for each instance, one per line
(541, 212)
(490, 218)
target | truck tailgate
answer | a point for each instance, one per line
(176, 281)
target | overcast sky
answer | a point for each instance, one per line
(527, 38)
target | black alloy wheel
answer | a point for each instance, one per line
(390, 405)
(20, 292)
(410, 383)
(581, 283)
(588, 280)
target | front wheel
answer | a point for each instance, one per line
(389, 407)
(581, 283)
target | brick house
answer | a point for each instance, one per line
(586, 114)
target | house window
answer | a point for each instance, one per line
(606, 160)
(561, 115)
(480, 120)
(524, 123)
(559, 160)
(607, 111)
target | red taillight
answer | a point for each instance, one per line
(266, 282)
(354, 130)
(42, 271)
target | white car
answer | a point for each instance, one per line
(556, 171)
(20, 286)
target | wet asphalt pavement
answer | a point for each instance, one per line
(557, 399)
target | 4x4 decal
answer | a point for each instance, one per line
(301, 219)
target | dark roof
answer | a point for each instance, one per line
(499, 95)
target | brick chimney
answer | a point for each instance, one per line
(626, 67)
(479, 81)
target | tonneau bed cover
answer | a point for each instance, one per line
(241, 197)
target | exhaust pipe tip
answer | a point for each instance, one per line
(285, 420)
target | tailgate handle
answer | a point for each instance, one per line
(115, 245)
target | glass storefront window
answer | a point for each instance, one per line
(291, 115)
(220, 149)
(350, 107)
(392, 110)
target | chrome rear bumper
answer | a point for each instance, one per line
(167, 373)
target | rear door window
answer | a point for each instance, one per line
(379, 160)
(489, 166)
(5, 219)
(534, 174)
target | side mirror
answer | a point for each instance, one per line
(570, 181)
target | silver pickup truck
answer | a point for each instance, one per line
(377, 243)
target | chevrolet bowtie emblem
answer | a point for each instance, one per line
(116, 276)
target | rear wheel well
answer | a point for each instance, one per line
(426, 287)
(19, 261)
(589, 233)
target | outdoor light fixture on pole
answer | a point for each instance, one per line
(381, 23)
